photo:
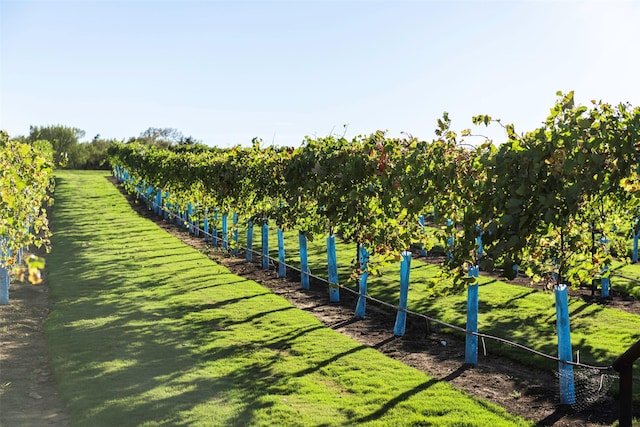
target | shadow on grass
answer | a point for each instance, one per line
(407, 394)
(329, 361)
(132, 357)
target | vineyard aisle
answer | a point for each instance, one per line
(145, 330)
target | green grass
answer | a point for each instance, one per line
(517, 313)
(146, 331)
(625, 278)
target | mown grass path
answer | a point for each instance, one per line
(146, 331)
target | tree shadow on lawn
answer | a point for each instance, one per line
(407, 394)
(121, 362)
(151, 367)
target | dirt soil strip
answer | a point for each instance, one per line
(28, 390)
(522, 390)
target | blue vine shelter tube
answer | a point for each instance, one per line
(471, 345)
(304, 260)
(265, 246)
(282, 267)
(401, 317)
(364, 275)
(334, 290)
(249, 255)
(567, 388)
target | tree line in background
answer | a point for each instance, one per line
(70, 153)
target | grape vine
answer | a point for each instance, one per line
(26, 183)
(543, 202)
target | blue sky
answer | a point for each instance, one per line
(227, 71)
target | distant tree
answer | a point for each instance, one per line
(189, 140)
(96, 153)
(164, 138)
(69, 152)
(161, 137)
(65, 142)
(20, 138)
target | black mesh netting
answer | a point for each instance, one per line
(587, 387)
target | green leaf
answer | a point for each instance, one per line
(514, 203)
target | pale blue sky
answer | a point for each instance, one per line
(226, 71)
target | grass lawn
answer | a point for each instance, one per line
(146, 331)
(626, 278)
(517, 313)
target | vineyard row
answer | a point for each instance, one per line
(26, 183)
(555, 202)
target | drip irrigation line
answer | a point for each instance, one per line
(395, 307)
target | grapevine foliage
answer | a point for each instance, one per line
(549, 201)
(26, 183)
